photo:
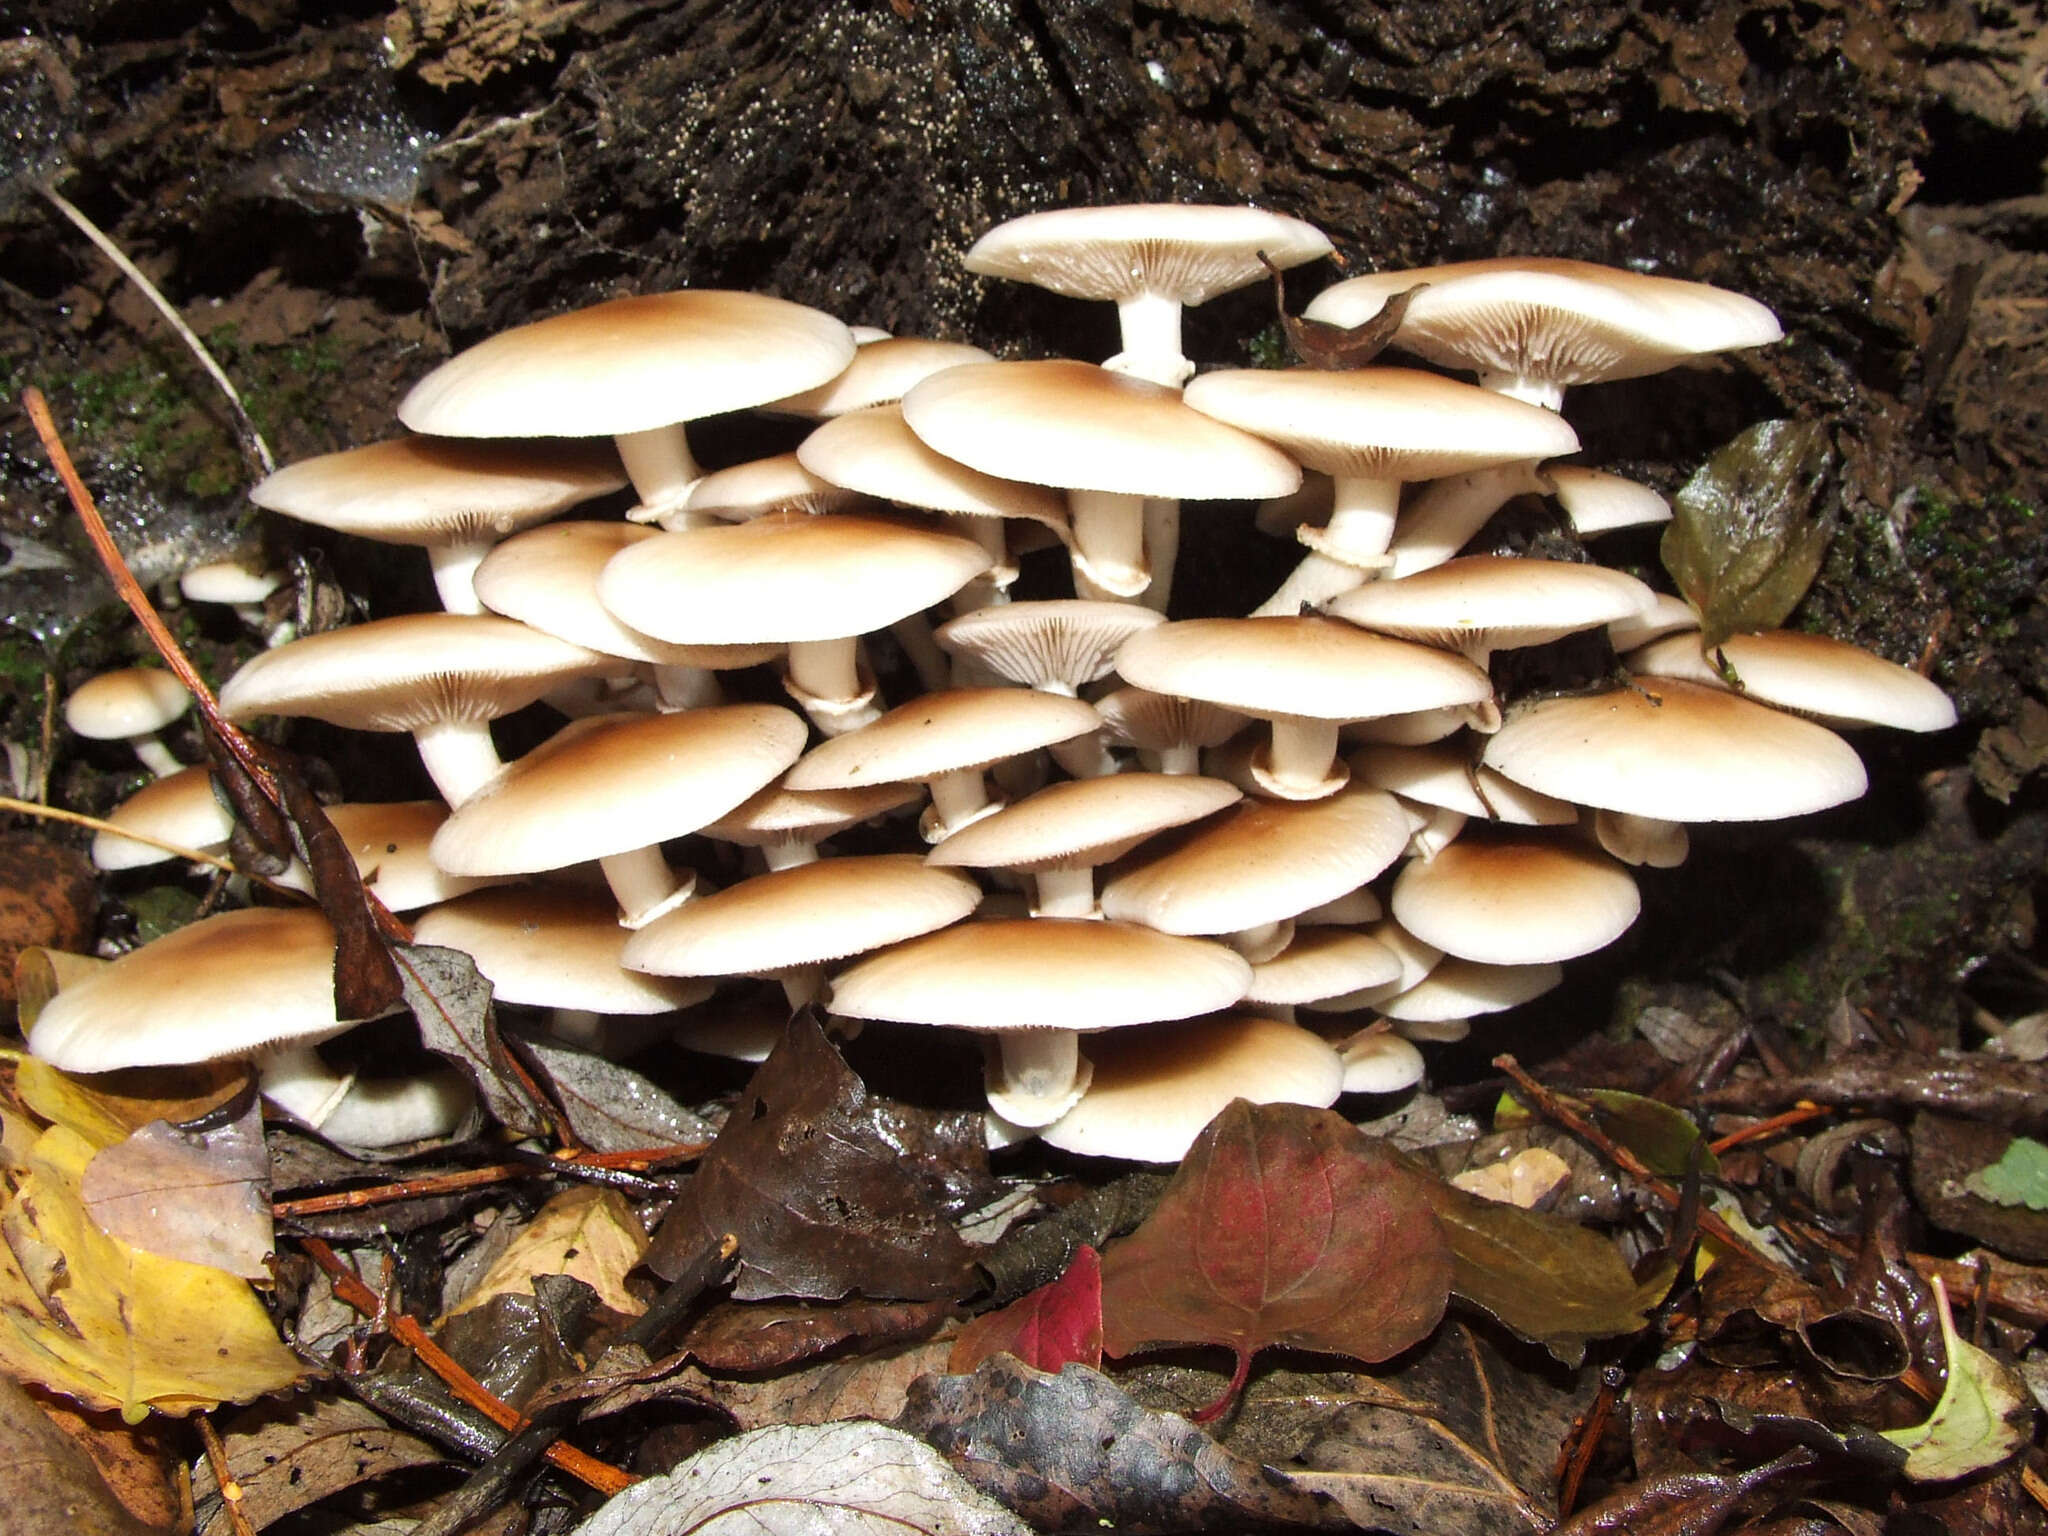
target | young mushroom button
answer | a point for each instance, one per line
(131, 704)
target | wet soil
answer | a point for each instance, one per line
(338, 194)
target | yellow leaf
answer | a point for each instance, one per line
(107, 1107)
(88, 1316)
(590, 1234)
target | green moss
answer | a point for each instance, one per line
(1269, 348)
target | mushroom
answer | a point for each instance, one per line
(1515, 899)
(180, 808)
(1824, 679)
(130, 704)
(238, 585)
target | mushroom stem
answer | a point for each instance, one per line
(459, 755)
(788, 852)
(1544, 392)
(1446, 513)
(1040, 1076)
(1067, 893)
(645, 885)
(1150, 323)
(681, 688)
(933, 667)
(825, 678)
(1642, 840)
(1298, 765)
(662, 469)
(454, 567)
(957, 798)
(1109, 545)
(1162, 548)
(1084, 757)
(156, 757)
(1182, 757)
(1345, 553)
(803, 985)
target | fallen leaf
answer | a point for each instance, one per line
(88, 1316)
(49, 898)
(108, 1107)
(1662, 1136)
(2019, 1177)
(1319, 344)
(292, 1455)
(872, 1386)
(1680, 1503)
(771, 1335)
(1051, 1327)
(200, 1196)
(1073, 1451)
(47, 1482)
(586, 1233)
(1848, 1340)
(1457, 1438)
(612, 1108)
(1982, 1417)
(1748, 531)
(823, 1205)
(452, 1002)
(1551, 1281)
(1284, 1226)
(796, 1480)
(143, 1465)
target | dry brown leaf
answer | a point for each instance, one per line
(88, 1316)
(48, 1483)
(199, 1196)
(290, 1455)
(589, 1234)
(107, 1107)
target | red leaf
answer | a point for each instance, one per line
(1047, 1329)
(1284, 1226)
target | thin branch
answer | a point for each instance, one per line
(252, 438)
(93, 823)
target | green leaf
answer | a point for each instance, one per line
(2020, 1177)
(1981, 1419)
(1662, 1136)
(1749, 529)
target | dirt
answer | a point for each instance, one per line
(337, 195)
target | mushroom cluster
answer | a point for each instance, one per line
(1142, 842)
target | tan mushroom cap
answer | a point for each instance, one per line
(1562, 322)
(1322, 962)
(1167, 723)
(779, 814)
(226, 986)
(785, 576)
(1188, 251)
(554, 947)
(1081, 427)
(1677, 751)
(1308, 667)
(1059, 644)
(180, 808)
(1261, 862)
(1157, 1086)
(547, 578)
(630, 365)
(129, 701)
(390, 843)
(404, 673)
(1381, 423)
(1830, 680)
(428, 491)
(1516, 900)
(611, 784)
(1666, 615)
(1599, 502)
(779, 483)
(1444, 774)
(1042, 972)
(881, 372)
(811, 914)
(945, 732)
(1458, 989)
(875, 452)
(1479, 603)
(1083, 822)
(230, 581)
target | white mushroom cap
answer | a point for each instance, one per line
(227, 986)
(1380, 1061)
(229, 581)
(1416, 960)
(130, 701)
(1443, 773)
(1157, 1086)
(811, 914)
(554, 947)
(875, 452)
(779, 483)
(1533, 325)
(1083, 822)
(881, 372)
(180, 808)
(1458, 989)
(1666, 615)
(1599, 502)
(1677, 751)
(1480, 603)
(389, 842)
(793, 821)
(1829, 680)
(1516, 900)
(1321, 963)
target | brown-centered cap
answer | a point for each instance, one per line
(429, 491)
(630, 365)
(547, 578)
(180, 808)
(875, 452)
(1321, 962)
(880, 373)
(1156, 1087)
(614, 783)
(1677, 751)
(1516, 900)
(227, 986)
(554, 947)
(129, 701)
(811, 914)
(1083, 822)
(1034, 973)
(1829, 680)
(1261, 862)
(389, 842)
(945, 732)
(781, 815)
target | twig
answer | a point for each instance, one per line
(94, 823)
(252, 438)
(230, 1490)
(407, 1329)
(1798, 1114)
(599, 1167)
